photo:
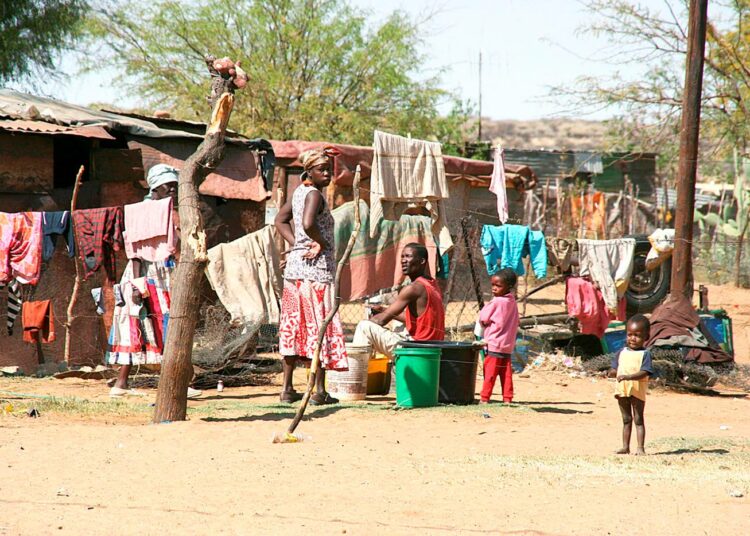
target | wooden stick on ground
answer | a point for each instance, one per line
(77, 283)
(315, 366)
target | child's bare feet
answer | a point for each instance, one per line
(640, 452)
(623, 451)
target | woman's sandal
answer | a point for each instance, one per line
(289, 397)
(318, 400)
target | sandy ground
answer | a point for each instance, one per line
(541, 466)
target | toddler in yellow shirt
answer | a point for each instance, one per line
(632, 366)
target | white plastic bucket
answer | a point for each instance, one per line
(352, 384)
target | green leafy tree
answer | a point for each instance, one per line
(33, 32)
(318, 69)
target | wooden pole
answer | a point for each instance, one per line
(558, 206)
(177, 370)
(77, 282)
(691, 108)
(343, 261)
(544, 207)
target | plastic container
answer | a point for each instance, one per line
(378, 380)
(417, 376)
(350, 384)
(458, 369)
(520, 357)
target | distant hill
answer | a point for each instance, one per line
(560, 134)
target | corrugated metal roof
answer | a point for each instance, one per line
(40, 127)
(701, 200)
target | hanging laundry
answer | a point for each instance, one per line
(98, 234)
(497, 185)
(560, 252)
(38, 321)
(150, 230)
(505, 246)
(609, 264)
(408, 173)
(98, 296)
(53, 224)
(375, 261)
(246, 276)
(20, 247)
(139, 331)
(593, 209)
(585, 302)
(14, 304)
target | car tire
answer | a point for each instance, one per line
(647, 289)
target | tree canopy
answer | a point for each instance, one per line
(649, 104)
(318, 69)
(33, 32)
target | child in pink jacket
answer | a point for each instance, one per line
(500, 321)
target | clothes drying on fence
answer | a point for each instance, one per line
(150, 232)
(246, 276)
(662, 245)
(14, 304)
(675, 323)
(20, 247)
(497, 185)
(593, 209)
(374, 263)
(138, 333)
(408, 173)
(586, 303)
(98, 296)
(54, 224)
(505, 246)
(559, 252)
(98, 234)
(38, 321)
(609, 264)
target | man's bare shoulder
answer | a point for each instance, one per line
(415, 289)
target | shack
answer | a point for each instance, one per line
(468, 180)
(43, 143)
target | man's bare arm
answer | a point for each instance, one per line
(396, 310)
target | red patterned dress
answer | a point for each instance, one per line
(308, 293)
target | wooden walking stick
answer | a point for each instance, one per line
(289, 437)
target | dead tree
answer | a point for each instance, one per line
(171, 399)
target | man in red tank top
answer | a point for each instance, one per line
(419, 306)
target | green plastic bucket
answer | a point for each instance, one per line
(417, 377)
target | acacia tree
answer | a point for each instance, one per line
(648, 106)
(317, 68)
(33, 32)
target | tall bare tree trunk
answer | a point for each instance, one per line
(177, 370)
(77, 283)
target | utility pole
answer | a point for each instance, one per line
(682, 260)
(479, 133)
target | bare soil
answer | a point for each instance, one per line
(544, 465)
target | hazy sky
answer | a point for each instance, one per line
(527, 46)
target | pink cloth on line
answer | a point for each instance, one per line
(500, 321)
(497, 185)
(20, 247)
(150, 230)
(586, 303)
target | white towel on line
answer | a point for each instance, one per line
(408, 173)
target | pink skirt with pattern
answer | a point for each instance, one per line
(304, 306)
